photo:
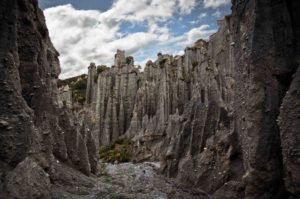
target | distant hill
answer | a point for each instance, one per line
(77, 85)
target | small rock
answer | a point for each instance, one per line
(3, 124)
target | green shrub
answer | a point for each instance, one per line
(119, 151)
(78, 96)
(80, 99)
(80, 85)
(129, 60)
(201, 41)
(162, 62)
(101, 69)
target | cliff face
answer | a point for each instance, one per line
(34, 134)
(114, 99)
(211, 116)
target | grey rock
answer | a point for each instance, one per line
(115, 96)
(28, 180)
(90, 90)
(230, 190)
(33, 133)
(289, 122)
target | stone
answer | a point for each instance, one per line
(230, 190)
(29, 180)
(115, 92)
(289, 124)
(90, 90)
(3, 124)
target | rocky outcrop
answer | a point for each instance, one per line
(32, 136)
(65, 97)
(115, 97)
(90, 90)
(211, 116)
(29, 180)
(289, 120)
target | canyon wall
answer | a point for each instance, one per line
(115, 94)
(36, 137)
(224, 117)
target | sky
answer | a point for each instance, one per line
(85, 31)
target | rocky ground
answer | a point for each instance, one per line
(128, 180)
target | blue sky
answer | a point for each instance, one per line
(92, 30)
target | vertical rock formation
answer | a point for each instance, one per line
(115, 98)
(263, 55)
(34, 135)
(120, 58)
(289, 120)
(65, 97)
(90, 90)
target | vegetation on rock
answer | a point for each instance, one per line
(101, 68)
(129, 60)
(163, 62)
(201, 42)
(77, 85)
(118, 151)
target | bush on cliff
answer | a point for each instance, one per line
(118, 151)
(101, 68)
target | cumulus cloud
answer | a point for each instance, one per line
(138, 11)
(186, 6)
(202, 15)
(215, 3)
(204, 31)
(84, 36)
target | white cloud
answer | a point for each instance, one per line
(186, 6)
(84, 36)
(144, 61)
(204, 31)
(193, 22)
(190, 37)
(199, 19)
(215, 3)
(78, 35)
(139, 11)
(202, 15)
